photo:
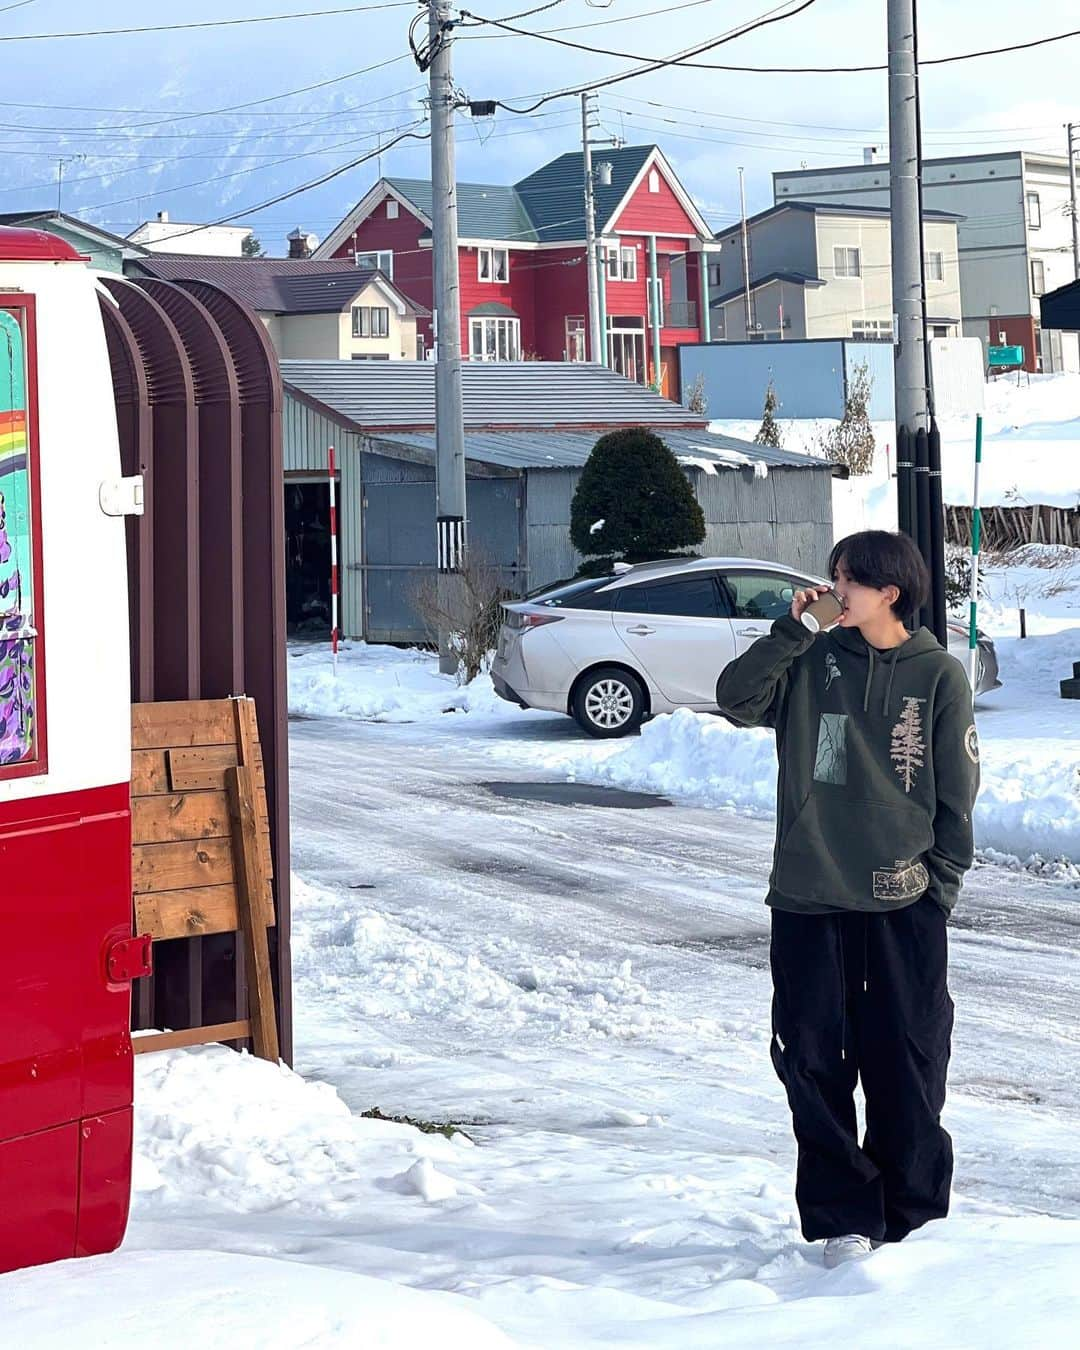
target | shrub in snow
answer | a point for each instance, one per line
(851, 441)
(634, 485)
(769, 432)
(696, 400)
(467, 607)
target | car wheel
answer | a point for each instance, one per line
(609, 702)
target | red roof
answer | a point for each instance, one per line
(18, 245)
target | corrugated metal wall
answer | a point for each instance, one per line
(785, 516)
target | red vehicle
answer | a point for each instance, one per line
(65, 763)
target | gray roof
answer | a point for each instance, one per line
(799, 278)
(485, 210)
(827, 209)
(546, 207)
(554, 194)
(511, 394)
(277, 285)
(69, 222)
(568, 449)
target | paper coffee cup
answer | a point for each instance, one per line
(822, 612)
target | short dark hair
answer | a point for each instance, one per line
(880, 558)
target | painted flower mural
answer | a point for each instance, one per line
(17, 684)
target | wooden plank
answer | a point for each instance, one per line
(250, 886)
(174, 1040)
(193, 912)
(173, 867)
(250, 753)
(179, 815)
(161, 726)
(199, 768)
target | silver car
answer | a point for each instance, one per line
(613, 650)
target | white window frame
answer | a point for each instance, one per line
(654, 180)
(1033, 210)
(371, 321)
(576, 330)
(935, 266)
(871, 330)
(1038, 269)
(627, 255)
(611, 261)
(392, 210)
(487, 265)
(847, 261)
(377, 260)
(494, 338)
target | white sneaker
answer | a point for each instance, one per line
(850, 1247)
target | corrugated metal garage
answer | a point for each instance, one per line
(528, 434)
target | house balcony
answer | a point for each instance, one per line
(681, 314)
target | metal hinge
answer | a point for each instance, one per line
(130, 959)
(122, 496)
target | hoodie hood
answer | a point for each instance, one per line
(920, 643)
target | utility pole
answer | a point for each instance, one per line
(904, 168)
(593, 247)
(1073, 129)
(64, 159)
(745, 254)
(596, 338)
(920, 511)
(449, 414)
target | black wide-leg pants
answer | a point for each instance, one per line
(865, 996)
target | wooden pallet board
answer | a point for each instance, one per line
(201, 859)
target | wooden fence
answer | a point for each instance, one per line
(1009, 527)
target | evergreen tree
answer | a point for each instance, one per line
(251, 247)
(769, 432)
(634, 498)
(851, 441)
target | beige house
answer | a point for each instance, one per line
(820, 271)
(329, 311)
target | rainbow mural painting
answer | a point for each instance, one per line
(16, 552)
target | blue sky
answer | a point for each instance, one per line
(126, 102)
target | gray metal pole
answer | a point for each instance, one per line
(449, 414)
(745, 254)
(1072, 199)
(904, 169)
(595, 336)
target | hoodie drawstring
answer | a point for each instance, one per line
(872, 663)
(869, 680)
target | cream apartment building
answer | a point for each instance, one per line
(822, 271)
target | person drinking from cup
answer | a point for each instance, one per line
(878, 773)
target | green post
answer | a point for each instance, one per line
(706, 317)
(657, 300)
(601, 295)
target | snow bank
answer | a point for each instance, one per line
(174, 1300)
(1031, 433)
(382, 684)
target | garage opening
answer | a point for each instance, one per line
(307, 559)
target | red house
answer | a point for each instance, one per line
(524, 287)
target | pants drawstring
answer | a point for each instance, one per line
(843, 993)
(866, 956)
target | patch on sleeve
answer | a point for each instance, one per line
(904, 881)
(971, 743)
(830, 763)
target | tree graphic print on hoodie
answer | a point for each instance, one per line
(877, 782)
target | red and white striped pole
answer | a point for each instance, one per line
(333, 562)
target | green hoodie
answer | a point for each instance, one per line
(879, 766)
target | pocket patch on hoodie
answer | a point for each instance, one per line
(830, 762)
(904, 881)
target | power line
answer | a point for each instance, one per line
(654, 63)
(207, 23)
(769, 17)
